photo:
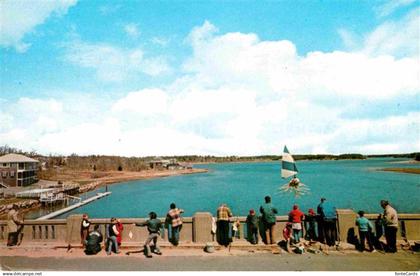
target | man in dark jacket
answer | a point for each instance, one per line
(153, 226)
(93, 241)
(328, 218)
(269, 212)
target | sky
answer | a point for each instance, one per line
(152, 78)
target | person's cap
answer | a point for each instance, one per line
(252, 211)
(384, 202)
(311, 211)
(295, 207)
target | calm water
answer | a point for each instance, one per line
(349, 184)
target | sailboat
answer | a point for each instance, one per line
(289, 169)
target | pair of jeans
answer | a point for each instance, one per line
(269, 232)
(330, 231)
(365, 235)
(175, 234)
(391, 238)
(253, 234)
(311, 228)
(152, 237)
(15, 238)
(222, 232)
(296, 235)
(112, 241)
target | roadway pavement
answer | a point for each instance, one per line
(37, 259)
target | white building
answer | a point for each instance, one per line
(18, 170)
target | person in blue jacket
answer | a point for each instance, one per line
(365, 230)
(328, 219)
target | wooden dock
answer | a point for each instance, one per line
(74, 206)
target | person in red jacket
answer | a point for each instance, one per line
(120, 228)
(287, 235)
(295, 217)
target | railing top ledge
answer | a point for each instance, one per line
(40, 222)
(185, 219)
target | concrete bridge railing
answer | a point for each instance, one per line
(196, 229)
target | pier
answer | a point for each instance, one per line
(74, 206)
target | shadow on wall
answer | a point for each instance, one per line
(351, 237)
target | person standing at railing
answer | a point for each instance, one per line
(390, 221)
(222, 230)
(328, 218)
(14, 227)
(252, 227)
(174, 223)
(295, 217)
(84, 229)
(120, 228)
(269, 212)
(153, 226)
(112, 234)
(365, 231)
(236, 226)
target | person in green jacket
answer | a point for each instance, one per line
(268, 212)
(93, 241)
(153, 226)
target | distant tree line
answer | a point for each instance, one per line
(413, 155)
(8, 150)
(118, 163)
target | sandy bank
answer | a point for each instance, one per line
(402, 170)
(117, 177)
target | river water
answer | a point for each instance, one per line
(354, 184)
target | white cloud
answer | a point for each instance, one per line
(132, 30)
(109, 9)
(275, 67)
(391, 6)
(160, 41)
(237, 95)
(397, 38)
(20, 17)
(350, 40)
(113, 63)
(147, 102)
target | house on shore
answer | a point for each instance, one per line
(17, 170)
(171, 164)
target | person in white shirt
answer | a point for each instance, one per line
(84, 228)
(390, 221)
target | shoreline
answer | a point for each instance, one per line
(132, 176)
(410, 161)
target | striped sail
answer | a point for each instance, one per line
(288, 165)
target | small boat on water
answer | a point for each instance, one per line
(289, 169)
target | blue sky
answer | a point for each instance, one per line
(210, 77)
